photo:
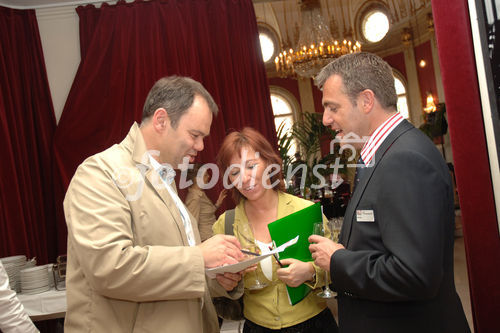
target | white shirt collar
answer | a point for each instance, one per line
(378, 136)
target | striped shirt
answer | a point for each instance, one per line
(376, 139)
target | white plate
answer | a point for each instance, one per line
(33, 269)
(20, 258)
(35, 291)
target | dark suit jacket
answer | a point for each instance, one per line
(396, 273)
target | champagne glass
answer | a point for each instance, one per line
(247, 241)
(335, 224)
(319, 229)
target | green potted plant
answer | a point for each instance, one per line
(285, 142)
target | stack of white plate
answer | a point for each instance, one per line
(12, 266)
(34, 280)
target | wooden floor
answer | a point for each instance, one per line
(461, 277)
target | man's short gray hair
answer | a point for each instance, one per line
(360, 71)
(175, 94)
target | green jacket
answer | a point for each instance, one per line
(270, 307)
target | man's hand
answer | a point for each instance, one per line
(228, 281)
(297, 273)
(221, 250)
(322, 250)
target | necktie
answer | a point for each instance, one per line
(360, 172)
(167, 175)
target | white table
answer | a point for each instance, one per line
(47, 305)
(52, 304)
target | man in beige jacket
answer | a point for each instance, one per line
(135, 261)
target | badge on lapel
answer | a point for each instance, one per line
(365, 215)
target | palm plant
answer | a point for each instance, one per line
(285, 143)
(307, 134)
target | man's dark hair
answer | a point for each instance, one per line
(360, 71)
(175, 94)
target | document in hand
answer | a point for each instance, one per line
(238, 267)
(299, 223)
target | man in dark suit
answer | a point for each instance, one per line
(393, 265)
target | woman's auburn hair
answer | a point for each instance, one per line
(249, 138)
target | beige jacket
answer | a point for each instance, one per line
(130, 268)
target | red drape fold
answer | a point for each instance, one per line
(131, 45)
(27, 213)
(470, 155)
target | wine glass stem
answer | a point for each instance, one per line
(326, 281)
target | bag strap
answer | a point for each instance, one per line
(228, 222)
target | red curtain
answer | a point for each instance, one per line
(472, 167)
(128, 46)
(27, 211)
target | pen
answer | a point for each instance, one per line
(250, 253)
(276, 257)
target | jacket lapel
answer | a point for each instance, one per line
(152, 178)
(158, 186)
(360, 188)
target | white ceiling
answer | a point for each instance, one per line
(344, 16)
(283, 16)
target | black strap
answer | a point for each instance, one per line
(228, 222)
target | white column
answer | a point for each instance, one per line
(437, 69)
(414, 96)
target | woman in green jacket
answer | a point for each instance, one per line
(247, 160)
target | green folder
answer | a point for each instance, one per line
(282, 230)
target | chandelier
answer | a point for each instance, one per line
(316, 46)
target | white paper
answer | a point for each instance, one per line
(238, 267)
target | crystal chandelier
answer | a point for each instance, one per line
(316, 46)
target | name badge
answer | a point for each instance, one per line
(365, 215)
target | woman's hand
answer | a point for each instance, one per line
(220, 199)
(296, 273)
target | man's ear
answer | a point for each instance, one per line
(161, 121)
(366, 100)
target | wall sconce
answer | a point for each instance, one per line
(430, 105)
(422, 63)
